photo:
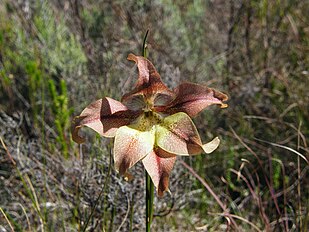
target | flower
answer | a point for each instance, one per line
(151, 123)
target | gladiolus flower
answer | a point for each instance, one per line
(151, 123)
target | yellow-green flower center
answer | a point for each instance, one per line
(148, 120)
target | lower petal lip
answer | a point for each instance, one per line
(130, 146)
(178, 135)
(159, 169)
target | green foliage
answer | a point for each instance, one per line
(230, 163)
(61, 51)
(61, 113)
(277, 174)
(49, 49)
(6, 67)
(35, 78)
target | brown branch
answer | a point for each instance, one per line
(7, 152)
(270, 187)
(204, 183)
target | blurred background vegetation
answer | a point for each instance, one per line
(58, 56)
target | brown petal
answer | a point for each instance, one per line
(192, 98)
(159, 169)
(130, 146)
(149, 85)
(104, 116)
(147, 72)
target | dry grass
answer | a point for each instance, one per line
(255, 51)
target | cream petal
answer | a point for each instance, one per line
(130, 146)
(178, 135)
(159, 169)
(211, 146)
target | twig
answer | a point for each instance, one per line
(204, 183)
(240, 218)
(126, 216)
(6, 218)
(284, 147)
(27, 218)
(255, 196)
(262, 168)
(7, 152)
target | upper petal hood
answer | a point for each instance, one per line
(104, 116)
(192, 98)
(149, 85)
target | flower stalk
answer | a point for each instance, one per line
(149, 201)
(149, 183)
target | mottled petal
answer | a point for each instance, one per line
(178, 135)
(146, 71)
(104, 116)
(130, 146)
(149, 86)
(192, 98)
(159, 169)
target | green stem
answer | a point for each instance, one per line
(131, 214)
(149, 184)
(144, 49)
(149, 201)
